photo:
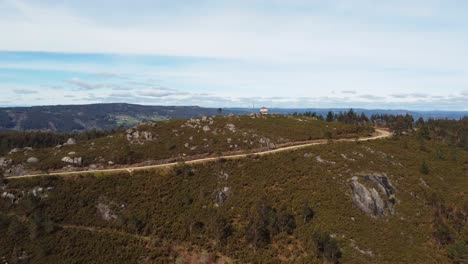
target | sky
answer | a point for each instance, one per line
(400, 54)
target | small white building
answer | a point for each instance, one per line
(264, 111)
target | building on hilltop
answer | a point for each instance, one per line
(264, 111)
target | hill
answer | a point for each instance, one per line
(399, 200)
(174, 140)
(94, 116)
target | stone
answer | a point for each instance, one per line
(70, 141)
(76, 160)
(105, 212)
(206, 128)
(32, 160)
(14, 150)
(231, 127)
(369, 200)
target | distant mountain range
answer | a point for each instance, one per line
(94, 116)
(109, 116)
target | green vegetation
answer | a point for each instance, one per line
(67, 118)
(175, 140)
(287, 207)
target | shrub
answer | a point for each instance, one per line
(183, 169)
(458, 252)
(308, 213)
(442, 233)
(424, 168)
(327, 246)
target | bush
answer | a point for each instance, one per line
(442, 233)
(308, 213)
(183, 169)
(424, 168)
(327, 246)
(458, 252)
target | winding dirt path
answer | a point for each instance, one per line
(379, 134)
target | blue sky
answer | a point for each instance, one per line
(298, 53)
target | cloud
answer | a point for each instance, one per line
(24, 91)
(160, 92)
(349, 92)
(411, 95)
(81, 84)
(372, 97)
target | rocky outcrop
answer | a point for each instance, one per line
(15, 170)
(70, 141)
(75, 160)
(138, 137)
(32, 160)
(369, 199)
(320, 160)
(109, 210)
(231, 127)
(266, 142)
(105, 212)
(4, 162)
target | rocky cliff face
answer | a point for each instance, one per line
(374, 202)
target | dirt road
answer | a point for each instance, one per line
(379, 133)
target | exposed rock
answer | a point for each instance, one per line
(32, 160)
(307, 155)
(228, 140)
(266, 142)
(70, 141)
(344, 156)
(27, 149)
(222, 196)
(14, 150)
(206, 128)
(105, 212)
(231, 127)
(4, 162)
(16, 170)
(71, 153)
(76, 160)
(320, 160)
(40, 192)
(7, 195)
(110, 162)
(138, 137)
(223, 176)
(369, 200)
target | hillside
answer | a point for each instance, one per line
(94, 116)
(401, 200)
(177, 140)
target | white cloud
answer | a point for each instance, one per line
(368, 50)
